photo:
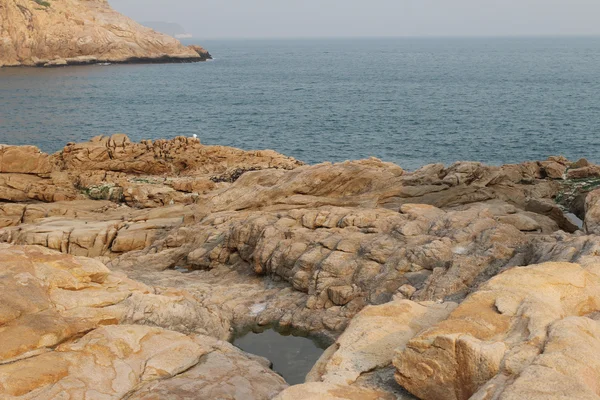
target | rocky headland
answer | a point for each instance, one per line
(126, 268)
(71, 32)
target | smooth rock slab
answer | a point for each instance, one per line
(115, 362)
(368, 342)
(327, 391)
(223, 374)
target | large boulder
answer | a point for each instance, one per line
(567, 368)
(510, 329)
(88, 228)
(591, 224)
(24, 160)
(223, 373)
(365, 345)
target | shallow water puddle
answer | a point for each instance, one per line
(292, 356)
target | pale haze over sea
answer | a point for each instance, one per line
(412, 101)
(359, 18)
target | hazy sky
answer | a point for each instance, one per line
(322, 18)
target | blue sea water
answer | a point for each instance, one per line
(409, 101)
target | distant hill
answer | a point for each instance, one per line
(169, 28)
(53, 33)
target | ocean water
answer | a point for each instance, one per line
(409, 101)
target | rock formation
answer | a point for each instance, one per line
(63, 32)
(512, 339)
(60, 338)
(467, 281)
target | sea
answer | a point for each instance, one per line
(411, 101)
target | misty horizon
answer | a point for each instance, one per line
(270, 19)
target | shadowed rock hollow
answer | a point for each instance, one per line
(473, 273)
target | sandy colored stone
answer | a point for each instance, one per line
(139, 362)
(521, 222)
(365, 345)
(591, 223)
(327, 391)
(26, 187)
(80, 32)
(23, 160)
(496, 333)
(550, 209)
(212, 238)
(582, 162)
(587, 171)
(48, 298)
(179, 156)
(337, 236)
(567, 368)
(182, 171)
(337, 260)
(553, 169)
(225, 373)
(89, 228)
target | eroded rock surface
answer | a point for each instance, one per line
(65, 328)
(342, 259)
(323, 391)
(200, 240)
(365, 345)
(506, 333)
(139, 362)
(56, 33)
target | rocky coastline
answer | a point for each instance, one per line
(126, 267)
(76, 32)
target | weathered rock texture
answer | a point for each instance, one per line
(62, 32)
(58, 296)
(205, 239)
(60, 338)
(521, 335)
(361, 358)
(342, 259)
(365, 345)
(138, 362)
(326, 391)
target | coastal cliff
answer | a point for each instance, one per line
(145, 256)
(66, 32)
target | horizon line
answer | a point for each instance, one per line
(500, 36)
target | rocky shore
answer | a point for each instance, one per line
(126, 267)
(74, 32)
